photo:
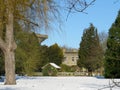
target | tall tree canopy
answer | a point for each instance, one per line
(90, 50)
(103, 36)
(44, 59)
(55, 54)
(112, 56)
(27, 53)
(50, 54)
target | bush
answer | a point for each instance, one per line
(49, 71)
(66, 68)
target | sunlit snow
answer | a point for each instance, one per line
(58, 83)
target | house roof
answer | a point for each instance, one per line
(52, 64)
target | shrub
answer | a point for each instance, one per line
(66, 68)
(49, 71)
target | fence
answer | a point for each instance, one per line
(64, 74)
(72, 73)
(67, 74)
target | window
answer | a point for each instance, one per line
(72, 58)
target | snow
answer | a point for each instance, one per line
(54, 65)
(58, 83)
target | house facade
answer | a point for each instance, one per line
(70, 57)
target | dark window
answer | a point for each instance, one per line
(72, 58)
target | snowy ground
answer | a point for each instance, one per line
(58, 83)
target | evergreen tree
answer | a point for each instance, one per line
(44, 59)
(112, 56)
(55, 54)
(27, 53)
(90, 51)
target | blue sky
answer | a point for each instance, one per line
(102, 14)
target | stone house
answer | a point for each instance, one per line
(70, 57)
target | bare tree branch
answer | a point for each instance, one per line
(28, 21)
(78, 6)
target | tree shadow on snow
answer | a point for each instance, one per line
(2, 79)
(100, 77)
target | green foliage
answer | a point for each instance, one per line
(112, 69)
(74, 68)
(27, 53)
(112, 56)
(66, 68)
(44, 59)
(50, 54)
(49, 70)
(55, 54)
(90, 51)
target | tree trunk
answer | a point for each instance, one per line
(89, 72)
(10, 67)
(8, 47)
(9, 51)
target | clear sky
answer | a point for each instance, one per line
(102, 14)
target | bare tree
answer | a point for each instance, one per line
(20, 11)
(103, 40)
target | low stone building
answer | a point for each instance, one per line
(70, 57)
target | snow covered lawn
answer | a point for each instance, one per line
(58, 83)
